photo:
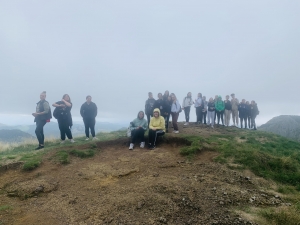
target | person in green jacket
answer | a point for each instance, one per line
(220, 107)
(138, 127)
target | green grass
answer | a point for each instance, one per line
(5, 207)
(82, 153)
(62, 156)
(11, 157)
(286, 216)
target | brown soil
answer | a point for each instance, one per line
(118, 186)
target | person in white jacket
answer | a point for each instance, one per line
(186, 106)
(175, 110)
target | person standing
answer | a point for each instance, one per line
(227, 110)
(63, 115)
(166, 95)
(253, 112)
(138, 127)
(156, 128)
(88, 111)
(234, 110)
(220, 107)
(211, 112)
(215, 100)
(42, 115)
(204, 109)
(248, 113)
(175, 110)
(149, 106)
(243, 113)
(199, 107)
(168, 104)
(186, 106)
(160, 104)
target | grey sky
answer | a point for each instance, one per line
(117, 51)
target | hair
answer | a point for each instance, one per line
(200, 95)
(88, 97)
(149, 93)
(173, 95)
(204, 97)
(189, 93)
(43, 93)
(65, 96)
(227, 96)
(232, 94)
(159, 94)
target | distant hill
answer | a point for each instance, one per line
(10, 136)
(284, 125)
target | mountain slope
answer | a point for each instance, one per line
(284, 125)
(13, 136)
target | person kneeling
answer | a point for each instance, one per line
(156, 128)
(138, 127)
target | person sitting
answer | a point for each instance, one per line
(138, 127)
(156, 128)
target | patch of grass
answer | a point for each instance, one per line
(285, 189)
(11, 157)
(31, 161)
(195, 147)
(5, 207)
(62, 156)
(83, 153)
(288, 216)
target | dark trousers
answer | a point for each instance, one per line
(215, 116)
(220, 115)
(174, 120)
(187, 113)
(39, 131)
(153, 134)
(249, 121)
(167, 118)
(199, 114)
(204, 117)
(89, 123)
(253, 124)
(148, 118)
(243, 119)
(137, 134)
(64, 129)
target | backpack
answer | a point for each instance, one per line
(56, 113)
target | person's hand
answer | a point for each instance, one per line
(34, 114)
(154, 129)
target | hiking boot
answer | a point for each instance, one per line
(131, 146)
(72, 141)
(142, 145)
(62, 142)
(87, 139)
(40, 147)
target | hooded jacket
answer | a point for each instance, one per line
(242, 110)
(157, 123)
(138, 122)
(149, 106)
(220, 105)
(254, 110)
(88, 111)
(160, 104)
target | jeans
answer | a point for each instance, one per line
(204, 117)
(211, 118)
(137, 134)
(167, 118)
(64, 129)
(199, 113)
(235, 116)
(187, 113)
(174, 120)
(220, 115)
(89, 123)
(253, 124)
(243, 119)
(153, 134)
(39, 131)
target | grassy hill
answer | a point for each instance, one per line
(284, 125)
(202, 176)
(14, 136)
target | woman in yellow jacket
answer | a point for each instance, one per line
(156, 128)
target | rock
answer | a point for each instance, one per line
(156, 175)
(140, 205)
(39, 189)
(221, 203)
(163, 220)
(214, 188)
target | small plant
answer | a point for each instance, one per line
(5, 207)
(62, 156)
(93, 145)
(11, 157)
(289, 216)
(31, 161)
(83, 154)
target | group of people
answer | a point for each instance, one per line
(62, 113)
(158, 112)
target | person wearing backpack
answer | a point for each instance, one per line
(186, 106)
(156, 128)
(62, 113)
(253, 113)
(204, 109)
(220, 107)
(175, 110)
(227, 103)
(42, 115)
(243, 113)
(198, 105)
(89, 111)
(138, 127)
(211, 109)
(149, 106)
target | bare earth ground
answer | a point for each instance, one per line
(118, 186)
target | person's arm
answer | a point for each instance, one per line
(183, 103)
(95, 110)
(145, 125)
(151, 124)
(46, 110)
(81, 110)
(162, 124)
(68, 104)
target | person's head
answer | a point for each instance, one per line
(211, 99)
(227, 97)
(189, 95)
(203, 98)
(141, 115)
(159, 96)
(88, 99)
(174, 98)
(219, 98)
(243, 101)
(252, 102)
(199, 95)
(232, 95)
(43, 95)
(67, 98)
(166, 93)
(169, 98)
(247, 102)
(172, 94)
(156, 113)
(150, 95)
(216, 96)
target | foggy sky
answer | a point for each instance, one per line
(118, 51)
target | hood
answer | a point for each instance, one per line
(157, 110)
(139, 113)
(220, 98)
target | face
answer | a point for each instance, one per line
(173, 98)
(189, 94)
(216, 96)
(150, 95)
(204, 98)
(155, 114)
(42, 96)
(232, 96)
(199, 95)
(211, 99)
(159, 95)
(67, 98)
(243, 101)
(227, 97)
(89, 99)
(247, 102)
(167, 93)
(252, 102)
(169, 98)
(141, 115)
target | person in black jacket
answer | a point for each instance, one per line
(149, 106)
(248, 112)
(88, 111)
(42, 115)
(64, 118)
(211, 110)
(253, 113)
(160, 104)
(243, 113)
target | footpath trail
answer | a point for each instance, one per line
(118, 186)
